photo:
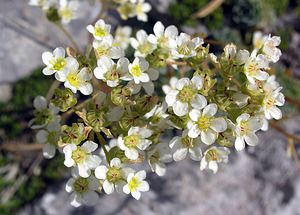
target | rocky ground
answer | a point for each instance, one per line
(261, 181)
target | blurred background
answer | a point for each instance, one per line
(262, 180)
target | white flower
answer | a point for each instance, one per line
(157, 116)
(163, 36)
(136, 184)
(270, 48)
(271, 101)
(110, 72)
(271, 84)
(122, 36)
(230, 51)
(141, 9)
(143, 44)
(44, 4)
(100, 30)
(83, 190)
(204, 123)
(77, 80)
(172, 86)
(44, 115)
(56, 62)
(113, 175)
(181, 146)
(185, 95)
(68, 10)
(81, 157)
(240, 99)
(213, 156)
(49, 138)
(255, 66)
(134, 141)
(106, 47)
(138, 69)
(148, 86)
(258, 39)
(184, 46)
(158, 157)
(246, 127)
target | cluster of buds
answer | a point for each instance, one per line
(212, 103)
(65, 11)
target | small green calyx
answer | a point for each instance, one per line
(75, 134)
(52, 15)
(52, 138)
(96, 119)
(81, 185)
(64, 99)
(114, 175)
(42, 117)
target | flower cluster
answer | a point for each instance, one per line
(59, 10)
(213, 103)
(65, 11)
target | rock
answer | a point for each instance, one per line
(262, 180)
(5, 92)
(26, 34)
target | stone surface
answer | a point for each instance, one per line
(25, 34)
(261, 181)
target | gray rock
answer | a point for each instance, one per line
(262, 180)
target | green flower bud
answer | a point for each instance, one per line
(64, 99)
(52, 15)
(121, 96)
(95, 119)
(74, 134)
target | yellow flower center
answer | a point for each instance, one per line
(101, 50)
(134, 184)
(100, 32)
(145, 48)
(252, 68)
(73, 79)
(184, 50)
(67, 13)
(131, 141)
(269, 102)
(58, 64)
(186, 94)
(244, 128)
(81, 185)
(136, 71)
(112, 75)
(79, 155)
(204, 123)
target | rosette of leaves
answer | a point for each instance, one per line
(182, 11)
(246, 13)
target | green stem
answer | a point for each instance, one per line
(103, 143)
(68, 35)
